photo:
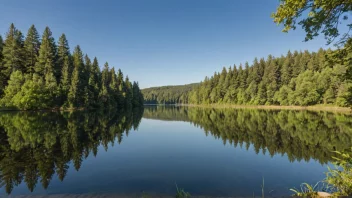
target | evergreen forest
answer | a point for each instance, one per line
(42, 74)
(168, 94)
(299, 78)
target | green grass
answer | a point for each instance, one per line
(180, 193)
(306, 190)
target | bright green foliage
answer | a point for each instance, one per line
(282, 96)
(299, 78)
(341, 177)
(321, 17)
(14, 86)
(36, 75)
(31, 49)
(33, 94)
(53, 89)
(343, 57)
(305, 90)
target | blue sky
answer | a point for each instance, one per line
(161, 42)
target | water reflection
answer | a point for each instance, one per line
(36, 145)
(301, 135)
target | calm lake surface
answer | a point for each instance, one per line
(212, 152)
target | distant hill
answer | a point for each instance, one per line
(173, 94)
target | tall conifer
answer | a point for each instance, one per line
(31, 49)
(46, 64)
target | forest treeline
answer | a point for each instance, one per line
(299, 78)
(40, 73)
(168, 94)
(39, 146)
(300, 135)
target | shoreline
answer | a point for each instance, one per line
(268, 107)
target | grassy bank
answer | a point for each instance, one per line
(311, 108)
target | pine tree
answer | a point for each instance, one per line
(113, 86)
(303, 64)
(136, 101)
(31, 49)
(321, 60)
(261, 95)
(286, 70)
(104, 91)
(1, 47)
(221, 91)
(247, 71)
(13, 54)
(242, 77)
(121, 85)
(94, 84)
(46, 63)
(227, 81)
(273, 79)
(87, 68)
(129, 93)
(51, 86)
(76, 93)
(296, 69)
(2, 76)
(65, 81)
(313, 63)
(63, 55)
(36, 75)
(235, 83)
(86, 73)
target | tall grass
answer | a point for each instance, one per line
(338, 180)
(180, 193)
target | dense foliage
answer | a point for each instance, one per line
(301, 135)
(340, 178)
(168, 94)
(40, 73)
(299, 78)
(316, 17)
(37, 146)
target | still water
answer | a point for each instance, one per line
(211, 152)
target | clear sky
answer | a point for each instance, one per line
(161, 42)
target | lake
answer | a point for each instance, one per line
(206, 151)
